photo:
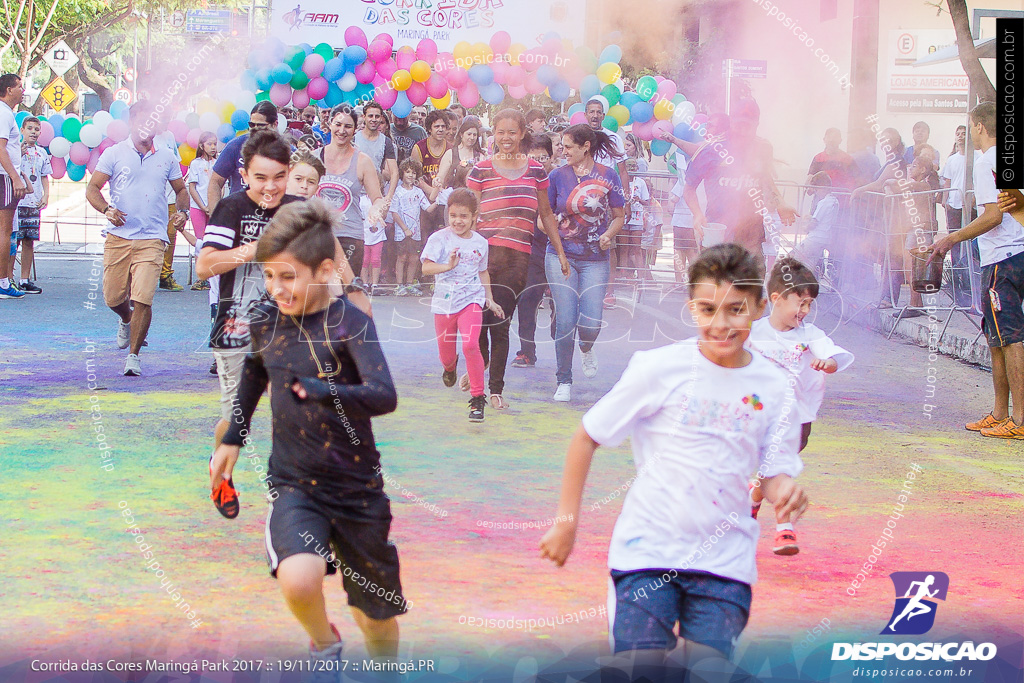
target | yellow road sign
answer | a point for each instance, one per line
(58, 94)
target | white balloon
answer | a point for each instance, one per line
(182, 115)
(209, 122)
(60, 147)
(282, 124)
(101, 120)
(348, 82)
(245, 101)
(684, 113)
(90, 135)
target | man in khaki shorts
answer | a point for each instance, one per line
(136, 232)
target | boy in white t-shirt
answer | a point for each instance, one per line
(36, 170)
(823, 218)
(457, 257)
(701, 417)
(685, 241)
(630, 257)
(805, 352)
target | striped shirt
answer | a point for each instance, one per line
(508, 208)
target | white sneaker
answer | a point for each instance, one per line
(562, 393)
(123, 331)
(132, 366)
(589, 360)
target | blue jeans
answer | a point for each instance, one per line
(579, 303)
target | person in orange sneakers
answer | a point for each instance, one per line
(1001, 244)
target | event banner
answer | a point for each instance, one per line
(446, 22)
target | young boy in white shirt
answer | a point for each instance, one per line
(823, 217)
(806, 353)
(701, 417)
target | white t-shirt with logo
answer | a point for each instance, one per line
(407, 203)
(639, 196)
(698, 432)
(373, 233)
(1007, 238)
(9, 129)
(461, 286)
(35, 163)
(793, 351)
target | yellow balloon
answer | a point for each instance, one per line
(206, 105)
(463, 53)
(441, 103)
(609, 72)
(483, 52)
(620, 113)
(401, 80)
(226, 110)
(516, 50)
(664, 109)
(187, 154)
(420, 71)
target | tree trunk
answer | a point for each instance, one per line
(26, 54)
(968, 55)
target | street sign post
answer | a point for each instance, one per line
(129, 75)
(60, 58)
(58, 94)
(741, 68)
(208, 21)
(123, 95)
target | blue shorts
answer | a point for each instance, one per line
(709, 609)
(1003, 297)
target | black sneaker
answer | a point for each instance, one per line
(213, 368)
(523, 361)
(476, 408)
(449, 377)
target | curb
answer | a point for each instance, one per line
(959, 344)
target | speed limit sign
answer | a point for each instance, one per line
(123, 95)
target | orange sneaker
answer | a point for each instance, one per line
(1007, 429)
(225, 498)
(785, 543)
(983, 423)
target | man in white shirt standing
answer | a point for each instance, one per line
(1001, 244)
(953, 176)
(12, 185)
(136, 231)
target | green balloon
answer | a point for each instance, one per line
(646, 87)
(299, 80)
(294, 57)
(262, 96)
(611, 93)
(70, 129)
(610, 123)
(325, 51)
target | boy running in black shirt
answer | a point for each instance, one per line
(327, 376)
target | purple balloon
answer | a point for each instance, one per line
(280, 94)
(79, 153)
(317, 88)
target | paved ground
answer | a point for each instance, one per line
(75, 583)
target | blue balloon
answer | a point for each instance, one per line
(117, 110)
(612, 53)
(660, 147)
(492, 93)
(642, 112)
(481, 74)
(57, 120)
(225, 131)
(590, 85)
(307, 48)
(20, 117)
(334, 95)
(364, 92)
(240, 119)
(264, 79)
(282, 73)
(548, 75)
(578, 107)
(403, 107)
(334, 69)
(353, 55)
(322, 104)
(248, 81)
(628, 99)
(75, 172)
(274, 48)
(559, 91)
(684, 132)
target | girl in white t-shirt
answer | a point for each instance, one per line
(373, 244)
(457, 258)
(198, 182)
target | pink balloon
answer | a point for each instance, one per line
(317, 88)
(700, 118)
(658, 79)
(355, 36)
(578, 117)
(551, 46)
(59, 167)
(45, 133)
(386, 97)
(117, 130)
(458, 77)
(436, 86)
(94, 156)
(300, 98)
(378, 81)
(516, 76)
(533, 86)
(469, 96)
(667, 89)
(501, 42)
(184, 170)
(644, 131)
(79, 153)
(574, 76)
(405, 57)
(386, 37)
(517, 92)
(387, 68)
(379, 51)
(417, 94)
(660, 127)
(313, 66)
(179, 128)
(426, 50)
(365, 72)
(107, 142)
(192, 139)
(280, 94)
(444, 63)
(500, 70)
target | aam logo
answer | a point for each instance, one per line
(916, 592)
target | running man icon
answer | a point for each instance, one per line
(915, 597)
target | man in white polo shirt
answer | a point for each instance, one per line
(12, 186)
(136, 231)
(1001, 244)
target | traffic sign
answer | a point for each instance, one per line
(123, 95)
(129, 74)
(58, 94)
(60, 58)
(745, 68)
(208, 21)
(177, 19)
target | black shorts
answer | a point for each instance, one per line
(684, 238)
(1003, 294)
(353, 249)
(7, 200)
(350, 534)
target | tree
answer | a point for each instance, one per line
(26, 36)
(980, 82)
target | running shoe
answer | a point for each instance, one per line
(476, 408)
(589, 360)
(449, 377)
(1007, 429)
(123, 333)
(984, 423)
(29, 287)
(563, 393)
(414, 290)
(225, 498)
(11, 292)
(401, 290)
(200, 285)
(213, 368)
(326, 665)
(169, 285)
(523, 361)
(754, 507)
(785, 543)
(132, 366)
